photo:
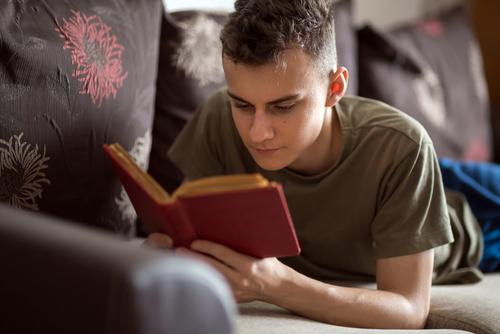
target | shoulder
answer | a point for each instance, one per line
(217, 103)
(378, 118)
(214, 114)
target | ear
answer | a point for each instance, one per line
(337, 86)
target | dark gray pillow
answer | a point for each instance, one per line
(189, 71)
(347, 42)
(432, 70)
(75, 75)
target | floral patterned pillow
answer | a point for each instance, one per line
(75, 75)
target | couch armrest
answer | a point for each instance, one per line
(59, 277)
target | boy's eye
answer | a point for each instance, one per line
(244, 107)
(284, 107)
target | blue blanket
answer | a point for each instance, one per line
(480, 183)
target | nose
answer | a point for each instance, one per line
(261, 129)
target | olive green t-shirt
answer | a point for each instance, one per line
(383, 197)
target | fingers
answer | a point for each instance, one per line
(224, 254)
(240, 285)
(224, 269)
(158, 240)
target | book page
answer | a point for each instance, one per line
(215, 184)
(142, 177)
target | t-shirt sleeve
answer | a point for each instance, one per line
(195, 150)
(413, 215)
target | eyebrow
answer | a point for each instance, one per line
(279, 100)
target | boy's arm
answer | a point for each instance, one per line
(401, 300)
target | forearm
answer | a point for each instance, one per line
(344, 306)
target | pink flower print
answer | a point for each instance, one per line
(96, 54)
(433, 28)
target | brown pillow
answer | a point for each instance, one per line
(75, 75)
(432, 70)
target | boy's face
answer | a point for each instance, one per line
(280, 113)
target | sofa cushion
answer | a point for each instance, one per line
(74, 75)
(432, 70)
(190, 70)
(472, 307)
(454, 309)
(260, 317)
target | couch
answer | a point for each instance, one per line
(454, 309)
(58, 277)
(75, 75)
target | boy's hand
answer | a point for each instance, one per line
(158, 240)
(250, 278)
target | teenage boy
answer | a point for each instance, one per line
(361, 179)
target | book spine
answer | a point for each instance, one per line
(183, 233)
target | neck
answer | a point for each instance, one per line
(325, 151)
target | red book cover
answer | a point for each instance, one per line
(253, 221)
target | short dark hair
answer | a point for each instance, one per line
(258, 31)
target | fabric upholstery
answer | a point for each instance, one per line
(189, 70)
(433, 71)
(61, 278)
(471, 307)
(259, 317)
(347, 42)
(454, 309)
(74, 75)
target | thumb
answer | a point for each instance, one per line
(158, 240)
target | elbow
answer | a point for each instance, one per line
(409, 315)
(417, 322)
(421, 320)
(417, 317)
(422, 313)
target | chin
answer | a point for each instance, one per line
(270, 165)
(271, 162)
(270, 168)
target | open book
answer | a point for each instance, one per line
(244, 212)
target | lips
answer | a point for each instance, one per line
(266, 152)
(266, 149)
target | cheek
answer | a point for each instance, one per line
(309, 125)
(241, 123)
(296, 129)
